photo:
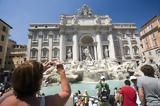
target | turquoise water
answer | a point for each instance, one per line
(90, 87)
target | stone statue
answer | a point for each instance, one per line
(98, 21)
(85, 11)
(75, 20)
(106, 52)
(135, 50)
(87, 54)
(69, 53)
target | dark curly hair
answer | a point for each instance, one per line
(26, 79)
(148, 70)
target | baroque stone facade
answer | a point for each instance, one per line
(83, 36)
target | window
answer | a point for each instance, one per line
(55, 52)
(153, 36)
(126, 50)
(154, 43)
(35, 37)
(1, 48)
(45, 38)
(34, 53)
(158, 52)
(154, 40)
(45, 53)
(147, 44)
(135, 50)
(104, 38)
(2, 38)
(69, 38)
(4, 28)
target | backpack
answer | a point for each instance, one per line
(104, 96)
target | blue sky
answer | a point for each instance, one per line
(20, 13)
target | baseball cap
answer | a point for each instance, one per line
(102, 77)
(132, 78)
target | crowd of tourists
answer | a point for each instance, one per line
(141, 91)
(27, 80)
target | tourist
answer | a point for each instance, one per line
(79, 93)
(86, 98)
(117, 98)
(102, 85)
(75, 98)
(103, 91)
(26, 82)
(133, 80)
(128, 95)
(149, 87)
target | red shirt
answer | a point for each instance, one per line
(129, 96)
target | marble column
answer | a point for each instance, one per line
(29, 46)
(130, 47)
(111, 47)
(50, 46)
(99, 46)
(121, 47)
(39, 47)
(95, 52)
(62, 47)
(80, 52)
(75, 47)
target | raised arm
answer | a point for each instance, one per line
(66, 90)
(61, 98)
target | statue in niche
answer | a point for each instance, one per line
(87, 54)
(126, 51)
(135, 50)
(106, 52)
(69, 53)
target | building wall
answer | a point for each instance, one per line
(4, 35)
(9, 62)
(19, 55)
(150, 38)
